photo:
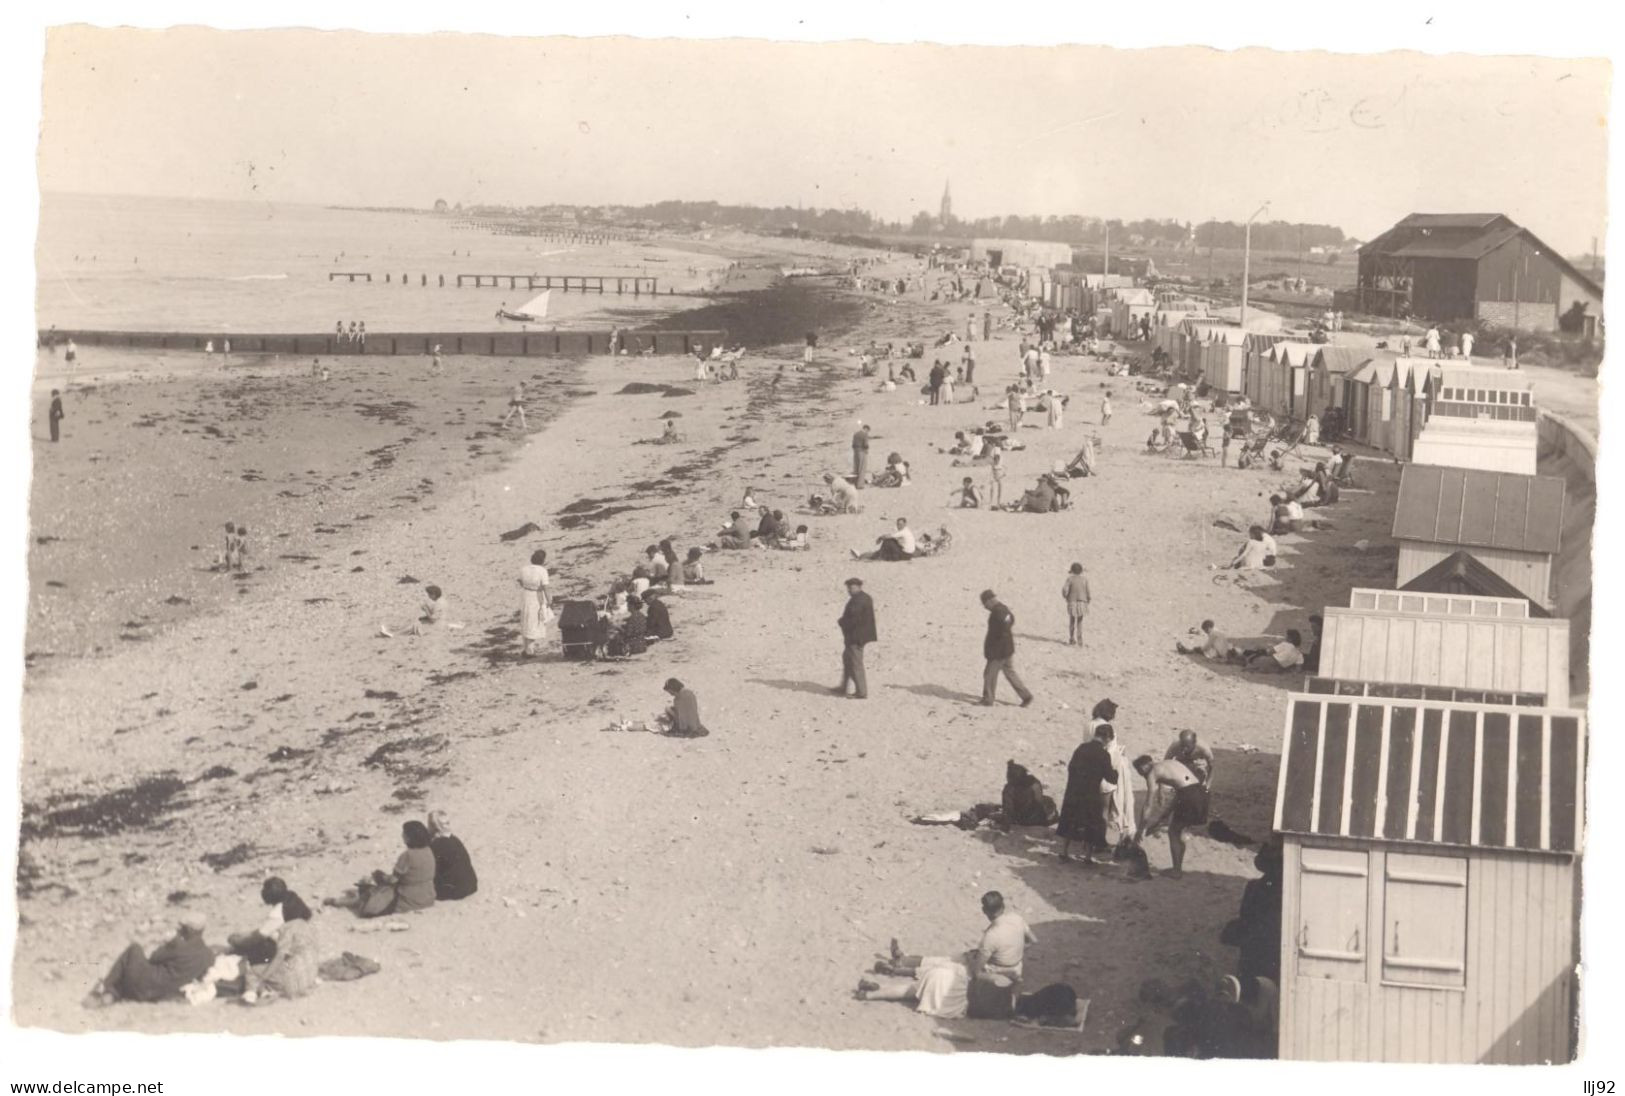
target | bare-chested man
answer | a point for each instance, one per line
(1173, 794)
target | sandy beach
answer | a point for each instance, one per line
(633, 888)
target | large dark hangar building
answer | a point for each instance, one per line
(1449, 267)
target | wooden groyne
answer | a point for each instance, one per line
(502, 344)
(581, 283)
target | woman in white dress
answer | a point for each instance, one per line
(1120, 796)
(535, 610)
(1056, 405)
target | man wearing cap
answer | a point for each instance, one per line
(999, 648)
(857, 629)
(136, 976)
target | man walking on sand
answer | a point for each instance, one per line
(999, 648)
(987, 326)
(860, 455)
(56, 415)
(857, 629)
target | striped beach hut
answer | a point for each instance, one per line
(1430, 878)
(1328, 369)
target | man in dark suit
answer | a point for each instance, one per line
(857, 629)
(999, 648)
(56, 415)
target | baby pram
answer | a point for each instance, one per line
(578, 629)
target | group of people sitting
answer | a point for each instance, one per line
(1047, 496)
(1288, 655)
(772, 530)
(280, 957)
(979, 443)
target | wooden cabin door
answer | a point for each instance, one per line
(1333, 885)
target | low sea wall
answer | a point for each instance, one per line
(502, 344)
(1569, 450)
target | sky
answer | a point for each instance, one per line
(1190, 133)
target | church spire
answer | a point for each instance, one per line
(946, 214)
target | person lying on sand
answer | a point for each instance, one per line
(1213, 645)
(137, 976)
(434, 611)
(979, 983)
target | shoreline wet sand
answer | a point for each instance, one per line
(636, 888)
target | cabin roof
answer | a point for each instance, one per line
(1433, 772)
(1503, 510)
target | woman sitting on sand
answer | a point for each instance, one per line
(674, 567)
(260, 946)
(406, 889)
(633, 638)
(658, 624)
(454, 877)
(293, 972)
(694, 569)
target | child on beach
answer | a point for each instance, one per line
(242, 547)
(968, 496)
(995, 495)
(433, 611)
(230, 554)
(1075, 592)
(516, 405)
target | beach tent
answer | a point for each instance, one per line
(1461, 641)
(1510, 523)
(1429, 883)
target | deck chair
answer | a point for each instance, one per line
(1193, 447)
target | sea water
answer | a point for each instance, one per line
(173, 264)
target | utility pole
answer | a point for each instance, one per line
(1108, 267)
(1246, 261)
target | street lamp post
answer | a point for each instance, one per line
(1246, 261)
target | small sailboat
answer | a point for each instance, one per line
(532, 311)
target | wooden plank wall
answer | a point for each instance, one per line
(1516, 1007)
(1513, 656)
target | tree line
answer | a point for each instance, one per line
(1072, 228)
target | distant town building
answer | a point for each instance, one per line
(1475, 266)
